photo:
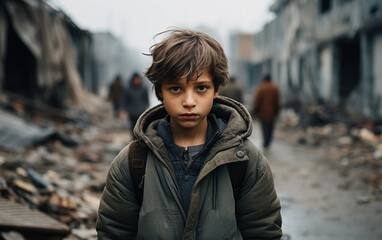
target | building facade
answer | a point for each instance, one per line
(324, 50)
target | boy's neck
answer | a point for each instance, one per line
(185, 137)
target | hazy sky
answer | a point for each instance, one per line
(137, 21)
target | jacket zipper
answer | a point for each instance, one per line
(214, 177)
(214, 183)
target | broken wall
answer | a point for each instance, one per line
(3, 34)
(287, 42)
(371, 31)
(341, 19)
(326, 51)
(83, 44)
(44, 46)
(326, 72)
(377, 73)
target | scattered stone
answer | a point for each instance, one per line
(345, 140)
(85, 234)
(363, 199)
(28, 187)
(367, 136)
(344, 185)
(354, 144)
(12, 235)
(2, 160)
(377, 155)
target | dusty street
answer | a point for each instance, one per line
(318, 202)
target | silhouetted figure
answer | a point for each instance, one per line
(116, 91)
(232, 90)
(136, 99)
(266, 106)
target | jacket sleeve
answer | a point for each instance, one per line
(118, 211)
(258, 208)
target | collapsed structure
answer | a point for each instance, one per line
(322, 50)
(45, 57)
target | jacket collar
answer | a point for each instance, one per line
(215, 128)
(237, 118)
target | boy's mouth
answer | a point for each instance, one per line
(188, 115)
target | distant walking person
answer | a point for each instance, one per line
(115, 94)
(136, 99)
(266, 106)
(232, 90)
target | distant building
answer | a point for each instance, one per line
(112, 57)
(242, 58)
(328, 50)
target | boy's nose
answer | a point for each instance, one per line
(189, 99)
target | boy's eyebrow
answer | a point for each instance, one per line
(204, 82)
(177, 83)
(172, 83)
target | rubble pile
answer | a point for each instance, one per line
(354, 145)
(62, 176)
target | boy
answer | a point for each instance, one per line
(192, 138)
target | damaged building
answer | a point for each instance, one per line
(45, 58)
(322, 50)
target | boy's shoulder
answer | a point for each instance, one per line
(257, 160)
(252, 148)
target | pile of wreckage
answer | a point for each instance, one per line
(52, 174)
(353, 142)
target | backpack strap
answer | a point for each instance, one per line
(137, 161)
(236, 172)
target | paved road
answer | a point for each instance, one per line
(314, 207)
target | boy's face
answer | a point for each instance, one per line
(189, 102)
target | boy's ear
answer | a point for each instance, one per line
(216, 94)
(159, 93)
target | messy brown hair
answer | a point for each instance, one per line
(186, 50)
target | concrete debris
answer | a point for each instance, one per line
(354, 144)
(85, 234)
(61, 178)
(368, 136)
(17, 135)
(11, 235)
(363, 199)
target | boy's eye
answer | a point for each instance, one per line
(202, 88)
(175, 89)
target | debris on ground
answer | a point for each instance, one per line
(353, 144)
(56, 173)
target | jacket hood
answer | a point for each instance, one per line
(237, 117)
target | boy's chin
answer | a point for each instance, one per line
(188, 125)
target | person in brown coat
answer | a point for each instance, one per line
(266, 106)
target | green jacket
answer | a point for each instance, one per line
(213, 212)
